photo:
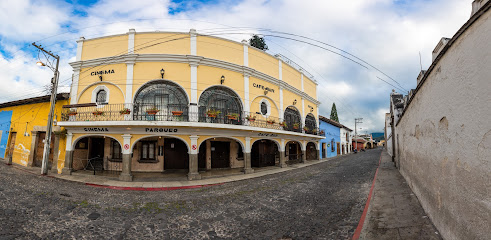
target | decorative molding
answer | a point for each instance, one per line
(80, 43)
(191, 60)
(131, 41)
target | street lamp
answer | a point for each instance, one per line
(49, 126)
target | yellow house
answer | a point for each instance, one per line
(23, 131)
(173, 101)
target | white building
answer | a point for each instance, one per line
(345, 135)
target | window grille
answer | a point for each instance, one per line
(101, 96)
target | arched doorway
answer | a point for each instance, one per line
(292, 119)
(369, 145)
(310, 124)
(311, 151)
(220, 105)
(97, 153)
(161, 100)
(159, 153)
(293, 152)
(220, 153)
(264, 153)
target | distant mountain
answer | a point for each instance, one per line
(378, 136)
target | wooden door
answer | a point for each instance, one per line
(39, 150)
(96, 152)
(337, 148)
(13, 136)
(220, 154)
(175, 154)
(202, 156)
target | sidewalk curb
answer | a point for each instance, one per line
(357, 233)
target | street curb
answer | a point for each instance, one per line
(357, 233)
(151, 189)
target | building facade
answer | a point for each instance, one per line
(158, 101)
(441, 132)
(23, 130)
(331, 145)
(345, 136)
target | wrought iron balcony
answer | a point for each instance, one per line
(182, 113)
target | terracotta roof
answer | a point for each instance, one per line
(332, 122)
(59, 96)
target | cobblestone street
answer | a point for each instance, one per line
(323, 201)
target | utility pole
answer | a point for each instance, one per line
(357, 120)
(49, 126)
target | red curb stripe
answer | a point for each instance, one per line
(356, 236)
(151, 189)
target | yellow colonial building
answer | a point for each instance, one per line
(170, 102)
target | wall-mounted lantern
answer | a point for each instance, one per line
(294, 101)
(311, 109)
(222, 79)
(162, 71)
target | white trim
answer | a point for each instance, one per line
(91, 135)
(271, 139)
(157, 135)
(194, 141)
(303, 145)
(231, 138)
(301, 77)
(274, 103)
(248, 145)
(194, 125)
(247, 105)
(69, 138)
(268, 107)
(280, 70)
(192, 34)
(96, 90)
(102, 82)
(129, 83)
(190, 59)
(126, 140)
(74, 87)
(80, 44)
(131, 41)
(283, 146)
(303, 111)
(246, 53)
(194, 84)
(280, 112)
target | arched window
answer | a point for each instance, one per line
(101, 96)
(293, 120)
(310, 124)
(161, 101)
(220, 105)
(264, 108)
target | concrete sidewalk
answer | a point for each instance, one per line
(163, 183)
(394, 211)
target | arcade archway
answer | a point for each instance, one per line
(264, 153)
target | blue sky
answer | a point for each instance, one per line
(388, 34)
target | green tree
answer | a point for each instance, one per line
(334, 113)
(258, 42)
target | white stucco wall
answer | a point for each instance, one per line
(444, 147)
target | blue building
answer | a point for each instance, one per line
(5, 117)
(330, 146)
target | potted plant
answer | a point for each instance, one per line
(271, 121)
(283, 124)
(213, 113)
(153, 110)
(125, 111)
(233, 116)
(296, 125)
(98, 113)
(177, 113)
(251, 118)
(321, 132)
(72, 112)
(306, 129)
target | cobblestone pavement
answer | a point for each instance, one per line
(323, 201)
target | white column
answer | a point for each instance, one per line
(192, 34)
(74, 87)
(247, 103)
(194, 144)
(282, 142)
(301, 79)
(303, 111)
(247, 145)
(131, 41)
(280, 72)
(129, 82)
(281, 104)
(80, 43)
(69, 137)
(246, 52)
(127, 140)
(304, 145)
(193, 105)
